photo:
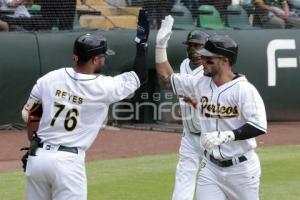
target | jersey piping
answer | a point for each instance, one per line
(257, 126)
(217, 124)
(76, 79)
(34, 97)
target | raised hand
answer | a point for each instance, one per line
(142, 31)
(164, 32)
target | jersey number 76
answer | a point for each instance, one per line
(70, 120)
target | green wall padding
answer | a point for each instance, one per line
(19, 69)
(26, 56)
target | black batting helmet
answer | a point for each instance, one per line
(196, 36)
(220, 45)
(87, 46)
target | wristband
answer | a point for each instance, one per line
(161, 55)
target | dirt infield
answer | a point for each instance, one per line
(122, 143)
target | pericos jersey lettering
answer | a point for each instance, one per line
(217, 110)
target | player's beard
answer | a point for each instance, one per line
(207, 74)
(98, 69)
(211, 68)
(194, 57)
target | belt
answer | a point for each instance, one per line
(198, 134)
(60, 148)
(223, 163)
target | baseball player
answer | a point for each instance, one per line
(232, 114)
(190, 152)
(75, 103)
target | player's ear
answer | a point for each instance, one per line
(95, 59)
(75, 58)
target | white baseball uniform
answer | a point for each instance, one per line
(232, 170)
(74, 108)
(190, 152)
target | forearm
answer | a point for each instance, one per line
(32, 128)
(141, 38)
(140, 62)
(31, 114)
(163, 68)
(247, 131)
(162, 65)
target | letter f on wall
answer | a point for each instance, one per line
(273, 46)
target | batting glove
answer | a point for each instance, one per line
(142, 31)
(164, 32)
(216, 138)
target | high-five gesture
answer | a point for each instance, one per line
(163, 67)
(142, 31)
(164, 32)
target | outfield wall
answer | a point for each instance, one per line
(269, 59)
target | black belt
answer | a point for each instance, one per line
(61, 148)
(224, 163)
(198, 134)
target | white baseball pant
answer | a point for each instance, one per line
(239, 181)
(56, 175)
(190, 156)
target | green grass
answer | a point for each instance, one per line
(142, 178)
(280, 172)
(152, 177)
(12, 186)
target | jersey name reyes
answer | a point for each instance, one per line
(67, 96)
(217, 110)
